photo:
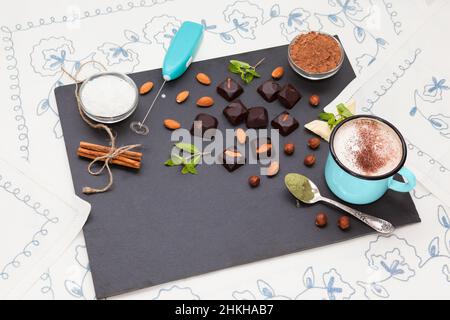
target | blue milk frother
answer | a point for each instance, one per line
(178, 57)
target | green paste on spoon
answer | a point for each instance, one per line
(299, 186)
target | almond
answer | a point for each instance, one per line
(264, 148)
(233, 154)
(172, 124)
(182, 96)
(203, 79)
(277, 73)
(273, 169)
(241, 136)
(205, 102)
(146, 87)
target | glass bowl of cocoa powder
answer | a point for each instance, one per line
(315, 55)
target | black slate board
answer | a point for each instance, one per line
(153, 228)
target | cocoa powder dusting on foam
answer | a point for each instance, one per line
(373, 150)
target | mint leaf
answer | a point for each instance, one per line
(190, 162)
(191, 168)
(185, 170)
(187, 147)
(338, 121)
(169, 163)
(332, 119)
(326, 116)
(254, 73)
(177, 160)
(343, 111)
(196, 159)
(247, 72)
(240, 64)
(234, 69)
(332, 122)
(247, 77)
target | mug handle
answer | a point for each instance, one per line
(403, 186)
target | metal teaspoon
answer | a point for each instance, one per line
(294, 185)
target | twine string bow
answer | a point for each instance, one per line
(113, 151)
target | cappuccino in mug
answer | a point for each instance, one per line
(368, 147)
(366, 153)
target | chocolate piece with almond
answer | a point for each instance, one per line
(232, 159)
(229, 89)
(285, 123)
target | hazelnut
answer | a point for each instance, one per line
(289, 149)
(344, 222)
(254, 181)
(314, 143)
(310, 160)
(314, 100)
(321, 220)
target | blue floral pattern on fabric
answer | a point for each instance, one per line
(351, 13)
(331, 287)
(432, 93)
(41, 231)
(176, 293)
(392, 262)
(242, 18)
(75, 287)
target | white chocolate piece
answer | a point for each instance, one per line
(351, 106)
(319, 127)
(322, 129)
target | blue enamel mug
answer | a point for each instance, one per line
(356, 188)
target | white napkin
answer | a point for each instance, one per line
(412, 91)
(37, 226)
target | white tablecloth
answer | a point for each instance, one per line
(38, 37)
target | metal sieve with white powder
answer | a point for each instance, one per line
(108, 97)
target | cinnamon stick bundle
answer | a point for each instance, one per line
(129, 159)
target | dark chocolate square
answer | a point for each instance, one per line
(269, 90)
(229, 89)
(289, 96)
(232, 159)
(207, 122)
(235, 112)
(285, 123)
(257, 118)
